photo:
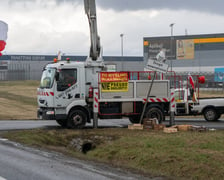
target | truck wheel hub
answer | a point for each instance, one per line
(77, 119)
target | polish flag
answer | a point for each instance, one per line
(3, 35)
(3, 30)
(191, 80)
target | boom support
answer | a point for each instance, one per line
(90, 10)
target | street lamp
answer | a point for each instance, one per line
(122, 35)
(172, 117)
(171, 45)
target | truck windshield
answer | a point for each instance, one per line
(47, 78)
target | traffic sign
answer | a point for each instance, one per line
(155, 65)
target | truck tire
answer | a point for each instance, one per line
(155, 112)
(134, 119)
(210, 114)
(218, 116)
(77, 119)
(61, 122)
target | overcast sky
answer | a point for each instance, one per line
(47, 26)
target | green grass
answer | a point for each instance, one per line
(24, 83)
(22, 99)
(189, 155)
(19, 99)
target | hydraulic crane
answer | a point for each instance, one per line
(95, 48)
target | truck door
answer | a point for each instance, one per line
(68, 87)
(180, 102)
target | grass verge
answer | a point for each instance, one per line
(18, 99)
(189, 155)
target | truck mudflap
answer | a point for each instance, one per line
(45, 114)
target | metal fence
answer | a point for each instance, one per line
(19, 71)
(214, 82)
(211, 80)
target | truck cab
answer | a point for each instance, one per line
(62, 87)
(185, 98)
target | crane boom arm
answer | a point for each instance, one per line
(90, 10)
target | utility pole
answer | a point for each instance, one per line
(171, 45)
(122, 51)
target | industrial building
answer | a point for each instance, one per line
(25, 67)
(192, 53)
(201, 54)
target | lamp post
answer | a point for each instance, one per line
(171, 45)
(122, 50)
(172, 117)
(121, 35)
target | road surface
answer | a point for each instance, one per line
(198, 122)
(32, 124)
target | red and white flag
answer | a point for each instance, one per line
(3, 35)
(191, 80)
(3, 30)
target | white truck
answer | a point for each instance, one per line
(70, 102)
(187, 103)
(66, 88)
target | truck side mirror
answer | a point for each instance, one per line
(57, 76)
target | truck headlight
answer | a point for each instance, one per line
(50, 112)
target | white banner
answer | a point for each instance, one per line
(3, 30)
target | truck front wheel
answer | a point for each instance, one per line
(210, 114)
(155, 112)
(77, 119)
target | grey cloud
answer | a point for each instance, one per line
(215, 6)
(211, 6)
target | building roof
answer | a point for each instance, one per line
(72, 58)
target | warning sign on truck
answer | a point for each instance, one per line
(114, 81)
(114, 86)
(114, 77)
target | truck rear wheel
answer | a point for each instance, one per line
(61, 122)
(210, 114)
(77, 119)
(155, 112)
(134, 119)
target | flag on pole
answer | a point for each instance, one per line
(59, 55)
(3, 35)
(191, 80)
(3, 30)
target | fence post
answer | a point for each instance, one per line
(172, 108)
(95, 107)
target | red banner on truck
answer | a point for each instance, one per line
(114, 77)
(114, 81)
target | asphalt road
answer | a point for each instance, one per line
(198, 122)
(19, 124)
